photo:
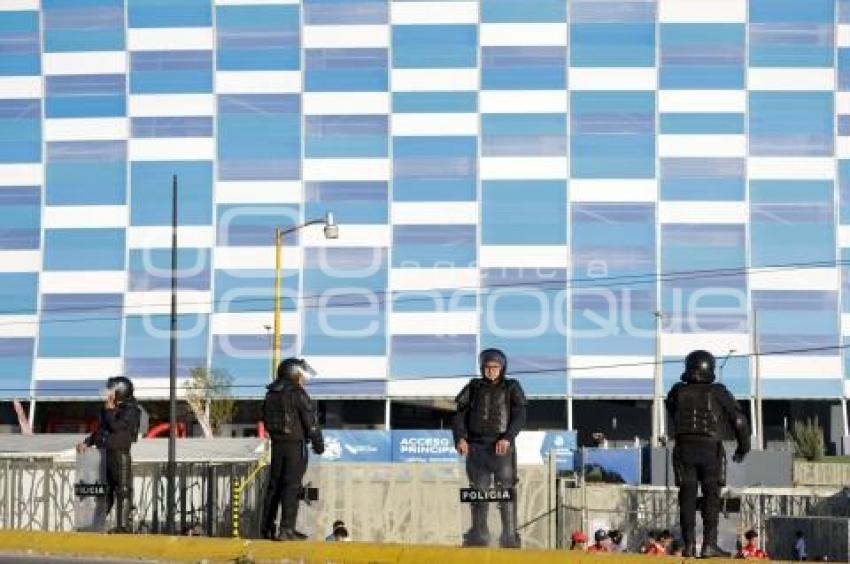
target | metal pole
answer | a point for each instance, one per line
(387, 412)
(845, 423)
(276, 329)
(758, 423)
(657, 424)
(172, 372)
(32, 414)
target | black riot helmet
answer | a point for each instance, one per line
(292, 368)
(699, 368)
(121, 386)
(493, 355)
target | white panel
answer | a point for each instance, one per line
(842, 147)
(349, 236)
(233, 258)
(434, 323)
(842, 102)
(703, 101)
(156, 237)
(426, 279)
(21, 86)
(20, 261)
(522, 101)
(258, 192)
(523, 168)
(19, 5)
(152, 105)
(251, 323)
(702, 212)
(523, 34)
(159, 303)
(435, 124)
(680, 344)
(257, 82)
(434, 12)
(331, 36)
(324, 103)
(844, 235)
(18, 325)
(790, 79)
(604, 190)
(842, 39)
(845, 323)
(153, 388)
(612, 78)
(83, 282)
(169, 39)
(349, 366)
(431, 80)
(702, 145)
(791, 168)
(179, 149)
(520, 256)
(84, 216)
(86, 129)
(92, 62)
(610, 366)
(702, 11)
(253, 2)
(77, 368)
(21, 174)
(430, 213)
(779, 366)
(426, 387)
(346, 169)
(790, 279)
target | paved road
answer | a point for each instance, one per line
(21, 559)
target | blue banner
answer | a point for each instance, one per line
(618, 466)
(423, 446)
(355, 446)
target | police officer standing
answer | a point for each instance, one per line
(700, 408)
(290, 419)
(490, 414)
(118, 430)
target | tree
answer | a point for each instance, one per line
(808, 440)
(208, 395)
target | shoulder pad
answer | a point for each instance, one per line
(515, 388)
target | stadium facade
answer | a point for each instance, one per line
(538, 175)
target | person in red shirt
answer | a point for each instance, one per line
(751, 550)
(602, 542)
(660, 545)
(578, 541)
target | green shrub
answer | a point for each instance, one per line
(808, 440)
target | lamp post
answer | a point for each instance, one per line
(172, 372)
(331, 231)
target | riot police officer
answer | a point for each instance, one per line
(700, 408)
(290, 419)
(491, 412)
(118, 430)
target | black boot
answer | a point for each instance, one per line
(713, 551)
(510, 537)
(477, 535)
(269, 533)
(690, 550)
(290, 534)
(123, 508)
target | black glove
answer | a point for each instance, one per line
(739, 456)
(319, 448)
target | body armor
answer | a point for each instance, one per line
(489, 409)
(697, 412)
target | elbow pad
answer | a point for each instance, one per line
(741, 425)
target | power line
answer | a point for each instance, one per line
(563, 368)
(565, 283)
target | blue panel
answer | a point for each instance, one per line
(20, 217)
(252, 290)
(346, 136)
(351, 202)
(608, 387)
(843, 69)
(528, 11)
(18, 293)
(151, 191)
(684, 123)
(254, 225)
(247, 359)
(169, 13)
(434, 46)
(797, 320)
(355, 446)
(523, 135)
(80, 325)
(703, 179)
(91, 389)
(19, 44)
(612, 45)
(791, 123)
(88, 95)
(259, 137)
(702, 56)
(166, 72)
(84, 249)
(613, 11)
(791, 45)
(258, 38)
(780, 11)
(345, 12)
(146, 349)
(420, 445)
(814, 387)
(346, 70)
(844, 190)
(16, 355)
(86, 173)
(434, 300)
(434, 102)
(524, 212)
(428, 246)
(432, 356)
(523, 68)
(20, 131)
(150, 269)
(434, 168)
(188, 126)
(83, 25)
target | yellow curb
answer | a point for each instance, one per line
(203, 549)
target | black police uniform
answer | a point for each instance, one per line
(290, 419)
(486, 413)
(118, 430)
(700, 409)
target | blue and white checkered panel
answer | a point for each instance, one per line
(541, 176)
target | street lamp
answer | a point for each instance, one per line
(331, 231)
